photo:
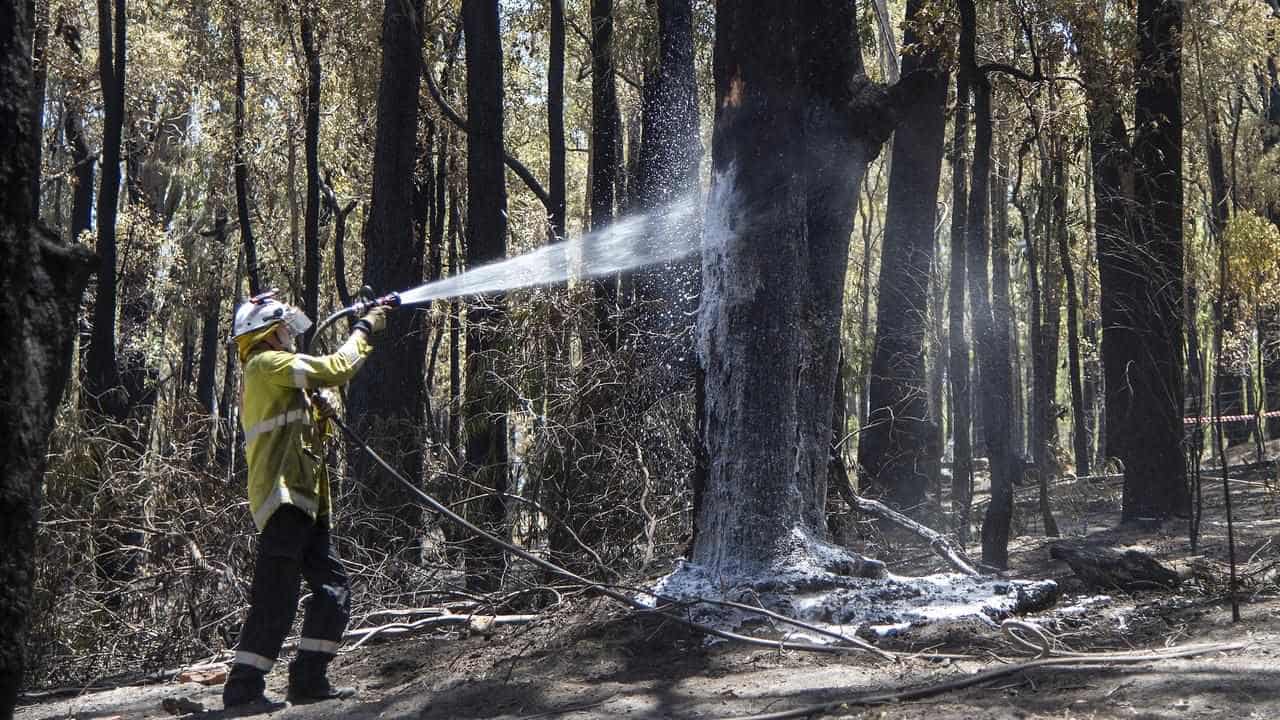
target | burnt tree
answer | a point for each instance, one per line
(103, 385)
(606, 158)
(386, 397)
(893, 451)
(240, 166)
(311, 151)
(41, 281)
(1144, 354)
(485, 403)
(797, 121)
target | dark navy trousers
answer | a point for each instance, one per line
(294, 547)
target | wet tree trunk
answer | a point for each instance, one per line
(386, 397)
(893, 449)
(1150, 356)
(794, 131)
(41, 281)
(240, 162)
(485, 406)
(958, 371)
(606, 161)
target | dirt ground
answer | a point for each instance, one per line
(590, 660)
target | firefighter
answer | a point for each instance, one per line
(284, 410)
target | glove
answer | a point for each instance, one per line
(325, 403)
(375, 321)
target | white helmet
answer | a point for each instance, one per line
(261, 311)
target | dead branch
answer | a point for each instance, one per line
(940, 543)
(919, 692)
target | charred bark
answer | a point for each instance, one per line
(485, 405)
(41, 281)
(386, 397)
(311, 151)
(555, 124)
(796, 124)
(1151, 403)
(240, 167)
(893, 450)
(103, 385)
(606, 161)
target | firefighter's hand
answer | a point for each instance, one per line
(376, 319)
(326, 403)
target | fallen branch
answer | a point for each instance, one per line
(479, 623)
(880, 697)
(940, 543)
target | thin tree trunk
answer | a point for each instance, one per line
(1079, 435)
(240, 163)
(311, 151)
(102, 384)
(958, 373)
(555, 123)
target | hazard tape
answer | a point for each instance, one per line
(1228, 418)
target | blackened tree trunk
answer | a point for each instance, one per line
(102, 383)
(311, 151)
(893, 450)
(240, 163)
(555, 123)
(386, 397)
(606, 136)
(991, 334)
(669, 158)
(796, 124)
(958, 371)
(1149, 352)
(83, 159)
(40, 284)
(1088, 307)
(485, 406)
(211, 320)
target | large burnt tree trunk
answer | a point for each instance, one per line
(103, 389)
(893, 450)
(40, 284)
(486, 240)
(796, 125)
(386, 397)
(1146, 352)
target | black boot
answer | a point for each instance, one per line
(308, 681)
(245, 690)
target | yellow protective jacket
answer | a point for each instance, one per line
(284, 438)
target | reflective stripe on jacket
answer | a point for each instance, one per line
(284, 444)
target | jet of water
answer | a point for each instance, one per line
(660, 235)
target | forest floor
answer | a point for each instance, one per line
(590, 659)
